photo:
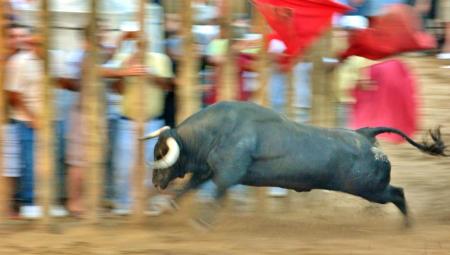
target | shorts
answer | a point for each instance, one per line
(75, 153)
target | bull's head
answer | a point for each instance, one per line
(166, 153)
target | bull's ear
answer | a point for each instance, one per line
(155, 133)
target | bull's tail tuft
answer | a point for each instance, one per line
(436, 147)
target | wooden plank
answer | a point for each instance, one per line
(227, 72)
(262, 66)
(91, 109)
(139, 173)
(44, 156)
(322, 111)
(4, 185)
(187, 93)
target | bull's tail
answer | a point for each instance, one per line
(435, 148)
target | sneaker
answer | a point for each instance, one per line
(121, 211)
(30, 212)
(277, 192)
(58, 211)
(443, 56)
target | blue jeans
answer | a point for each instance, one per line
(26, 180)
(125, 158)
(60, 161)
(109, 174)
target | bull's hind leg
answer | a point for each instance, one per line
(393, 195)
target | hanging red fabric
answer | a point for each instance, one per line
(299, 23)
(393, 102)
(397, 31)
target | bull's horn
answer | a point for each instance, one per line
(155, 133)
(171, 157)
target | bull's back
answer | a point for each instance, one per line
(291, 154)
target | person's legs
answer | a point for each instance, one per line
(26, 185)
(302, 84)
(124, 161)
(277, 83)
(109, 172)
(76, 162)
(75, 189)
(60, 164)
(11, 165)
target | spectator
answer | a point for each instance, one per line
(24, 90)
(15, 42)
(76, 138)
(159, 77)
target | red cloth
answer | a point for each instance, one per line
(298, 23)
(397, 31)
(393, 102)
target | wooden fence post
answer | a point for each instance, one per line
(139, 173)
(228, 76)
(91, 110)
(4, 190)
(187, 92)
(45, 154)
(322, 112)
(261, 96)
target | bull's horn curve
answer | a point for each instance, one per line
(155, 133)
(171, 157)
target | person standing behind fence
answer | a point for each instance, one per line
(15, 38)
(159, 76)
(24, 89)
(76, 135)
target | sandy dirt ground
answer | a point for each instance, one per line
(316, 223)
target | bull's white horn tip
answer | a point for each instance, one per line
(155, 133)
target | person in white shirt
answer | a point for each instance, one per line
(24, 91)
(15, 37)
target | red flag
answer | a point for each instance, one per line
(393, 102)
(298, 23)
(397, 31)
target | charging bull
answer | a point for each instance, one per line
(243, 143)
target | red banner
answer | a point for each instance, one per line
(299, 23)
(397, 31)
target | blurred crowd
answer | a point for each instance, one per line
(121, 69)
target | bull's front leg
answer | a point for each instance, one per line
(193, 183)
(229, 166)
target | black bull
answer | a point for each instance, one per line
(242, 143)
